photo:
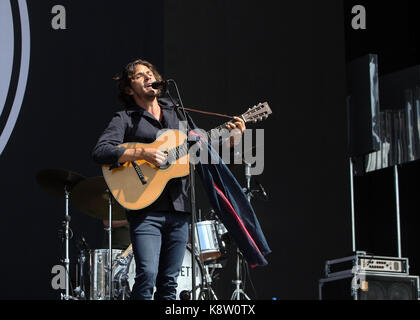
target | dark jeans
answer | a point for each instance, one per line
(159, 243)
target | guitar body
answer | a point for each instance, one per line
(124, 182)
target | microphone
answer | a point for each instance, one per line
(85, 244)
(81, 244)
(265, 195)
(159, 84)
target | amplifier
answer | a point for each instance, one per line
(369, 286)
(362, 262)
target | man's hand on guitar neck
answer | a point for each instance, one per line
(239, 127)
(154, 156)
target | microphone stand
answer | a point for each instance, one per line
(183, 116)
(236, 295)
(109, 229)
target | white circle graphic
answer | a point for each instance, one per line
(6, 56)
(6, 50)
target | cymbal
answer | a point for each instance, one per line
(91, 197)
(53, 181)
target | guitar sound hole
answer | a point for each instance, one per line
(164, 166)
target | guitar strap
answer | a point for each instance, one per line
(209, 113)
(181, 115)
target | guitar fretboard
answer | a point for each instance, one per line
(257, 113)
(182, 150)
(178, 152)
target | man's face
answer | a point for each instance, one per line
(141, 83)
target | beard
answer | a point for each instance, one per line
(149, 95)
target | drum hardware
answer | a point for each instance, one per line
(92, 197)
(221, 231)
(59, 183)
(121, 278)
(99, 265)
(109, 229)
(209, 238)
(185, 295)
(80, 290)
(211, 247)
(209, 293)
(208, 242)
(124, 274)
(122, 289)
(121, 271)
(213, 266)
(261, 191)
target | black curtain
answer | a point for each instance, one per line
(229, 55)
(70, 98)
(226, 56)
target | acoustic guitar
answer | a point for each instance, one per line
(137, 184)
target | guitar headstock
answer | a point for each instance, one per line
(257, 113)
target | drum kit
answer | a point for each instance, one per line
(108, 274)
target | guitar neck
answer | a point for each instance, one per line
(182, 150)
(222, 126)
(215, 131)
(254, 114)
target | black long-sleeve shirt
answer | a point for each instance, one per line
(137, 125)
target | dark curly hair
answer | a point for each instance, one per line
(124, 80)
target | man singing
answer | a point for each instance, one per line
(159, 232)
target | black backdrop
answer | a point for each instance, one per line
(292, 56)
(69, 100)
(226, 56)
(392, 33)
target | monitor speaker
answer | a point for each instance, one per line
(370, 287)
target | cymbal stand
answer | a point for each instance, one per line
(66, 223)
(79, 291)
(238, 281)
(109, 229)
(211, 295)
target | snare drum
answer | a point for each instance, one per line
(207, 237)
(210, 236)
